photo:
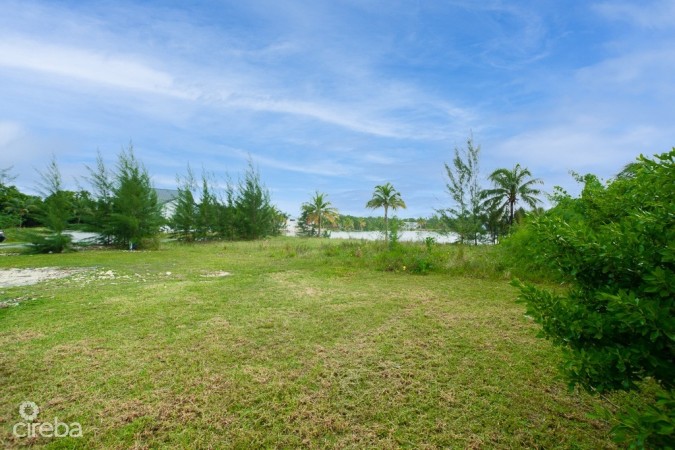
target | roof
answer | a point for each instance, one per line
(166, 195)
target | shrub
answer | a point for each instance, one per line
(525, 253)
(616, 246)
(411, 258)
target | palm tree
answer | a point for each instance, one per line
(21, 206)
(319, 209)
(385, 196)
(510, 187)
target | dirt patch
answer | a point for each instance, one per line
(26, 277)
(216, 274)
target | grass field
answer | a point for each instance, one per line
(305, 344)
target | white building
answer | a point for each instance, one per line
(167, 199)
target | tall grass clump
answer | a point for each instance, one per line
(525, 254)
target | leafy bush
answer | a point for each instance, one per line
(616, 246)
(524, 252)
(8, 221)
(652, 426)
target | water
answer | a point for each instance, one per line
(407, 236)
(82, 237)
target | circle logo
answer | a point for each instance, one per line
(29, 411)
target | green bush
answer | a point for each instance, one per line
(616, 246)
(524, 253)
(652, 426)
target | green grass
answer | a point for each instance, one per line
(308, 343)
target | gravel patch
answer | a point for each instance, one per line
(26, 277)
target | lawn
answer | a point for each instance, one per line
(306, 343)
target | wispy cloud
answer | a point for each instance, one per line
(87, 66)
(655, 14)
(9, 132)
(559, 149)
(640, 71)
(325, 168)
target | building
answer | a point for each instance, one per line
(167, 199)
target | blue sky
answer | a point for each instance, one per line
(336, 96)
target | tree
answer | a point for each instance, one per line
(136, 214)
(494, 222)
(6, 176)
(18, 208)
(254, 213)
(103, 185)
(614, 246)
(510, 187)
(83, 207)
(280, 220)
(207, 215)
(385, 196)
(347, 223)
(226, 216)
(318, 210)
(57, 207)
(56, 211)
(184, 217)
(465, 216)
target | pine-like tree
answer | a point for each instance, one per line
(55, 213)
(184, 216)
(253, 210)
(465, 217)
(103, 184)
(207, 210)
(136, 214)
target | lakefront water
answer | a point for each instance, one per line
(408, 236)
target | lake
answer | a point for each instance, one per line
(407, 236)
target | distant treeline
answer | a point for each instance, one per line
(123, 208)
(356, 223)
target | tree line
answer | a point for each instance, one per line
(479, 214)
(245, 211)
(476, 214)
(123, 209)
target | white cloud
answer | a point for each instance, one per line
(97, 67)
(324, 168)
(657, 14)
(559, 149)
(9, 132)
(247, 91)
(645, 70)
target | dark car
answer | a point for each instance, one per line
(2, 236)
